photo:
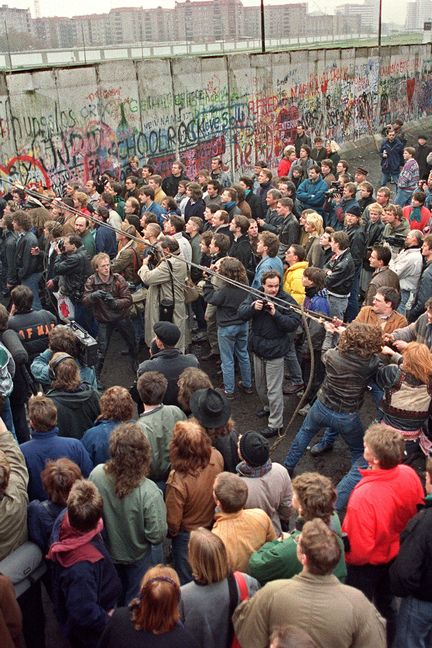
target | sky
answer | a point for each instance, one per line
(392, 11)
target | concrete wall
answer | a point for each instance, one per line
(71, 124)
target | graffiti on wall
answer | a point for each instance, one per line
(247, 117)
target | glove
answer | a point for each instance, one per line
(97, 294)
(110, 301)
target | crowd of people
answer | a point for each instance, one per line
(160, 522)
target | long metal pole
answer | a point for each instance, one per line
(263, 45)
(379, 26)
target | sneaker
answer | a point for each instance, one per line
(262, 413)
(320, 448)
(269, 432)
(229, 395)
(291, 388)
(304, 410)
(199, 336)
(245, 390)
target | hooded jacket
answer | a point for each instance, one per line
(76, 411)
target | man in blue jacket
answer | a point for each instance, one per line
(311, 192)
(391, 158)
(46, 445)
(269, 344)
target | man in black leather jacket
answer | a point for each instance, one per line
(71, 268)
(340, 272)
(349, 369)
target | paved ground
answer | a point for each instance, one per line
(335, 464)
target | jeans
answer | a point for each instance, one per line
(353, 300)
(125, 328)
(376, 392)
(414, 624)
(85, 318)
(180, 544)
(389, 177)
(404, 297)
(268, 382)
(374, 582)
(402, 197)
(338, 306)
(347, 483)
(32, 282)
(131, 575)
(233, 343)
(7, 417)
(292, 364)
(348, 425)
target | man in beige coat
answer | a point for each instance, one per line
(166, 281)
(333, 614)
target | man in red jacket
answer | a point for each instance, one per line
(378, 510)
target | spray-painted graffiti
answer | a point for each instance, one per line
(79, 132)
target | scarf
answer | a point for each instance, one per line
(229, 205)
(415, 215)
(244, 469)
(74, 546)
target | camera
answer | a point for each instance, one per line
(87, 344)
(397, 241)
(334, 189)
(61, 245)
(266, 305)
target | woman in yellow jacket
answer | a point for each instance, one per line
(295, 258)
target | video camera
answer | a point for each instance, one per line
(397, 241)
(87, 343)
(334, 189)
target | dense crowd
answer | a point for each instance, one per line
(146, 514)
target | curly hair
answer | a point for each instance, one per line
(190, 448)
(316, 496)
(130, 458)
(116, 404)
(190, 380)
(361, 339)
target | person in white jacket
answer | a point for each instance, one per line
(408, 266)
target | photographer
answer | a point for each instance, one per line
(108, 294)
(165, 284)
(269, 344)
(339, 201)
(61, 339)
(396, 229)
(71, 268)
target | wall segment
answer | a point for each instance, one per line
(64, 124)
